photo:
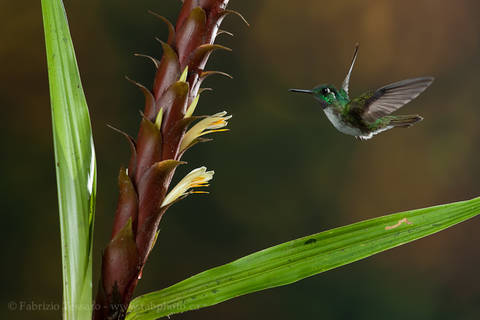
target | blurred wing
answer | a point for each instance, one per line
(392, 97)
(346, 82)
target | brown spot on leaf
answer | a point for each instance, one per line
(404, 220)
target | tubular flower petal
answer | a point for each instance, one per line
(211, 124)
(195, 179)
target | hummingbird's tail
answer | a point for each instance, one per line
(404, 121)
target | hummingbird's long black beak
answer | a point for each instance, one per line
(301, 91)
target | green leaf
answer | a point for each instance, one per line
(301, 258)
(74, 162)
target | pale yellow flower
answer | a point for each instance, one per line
(197, 178)
(211, 124)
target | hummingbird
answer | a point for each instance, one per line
(369, 113)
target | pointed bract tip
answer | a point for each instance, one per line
(205, 74)
(171, 28)
(225, 32)
(156, 62)
(239, 15)
(201, 90)
(114, 129)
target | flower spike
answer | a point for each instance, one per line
(168, 128)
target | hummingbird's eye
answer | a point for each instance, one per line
(325, 91)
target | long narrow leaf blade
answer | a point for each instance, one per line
(74, 161)
(301, 258)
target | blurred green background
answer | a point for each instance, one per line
(281, 172)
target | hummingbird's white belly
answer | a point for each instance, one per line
(345, 127)
(341, 125)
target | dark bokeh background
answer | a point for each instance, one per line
(282, 171)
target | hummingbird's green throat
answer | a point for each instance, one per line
(368, 114)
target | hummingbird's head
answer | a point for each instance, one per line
(327, 94)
